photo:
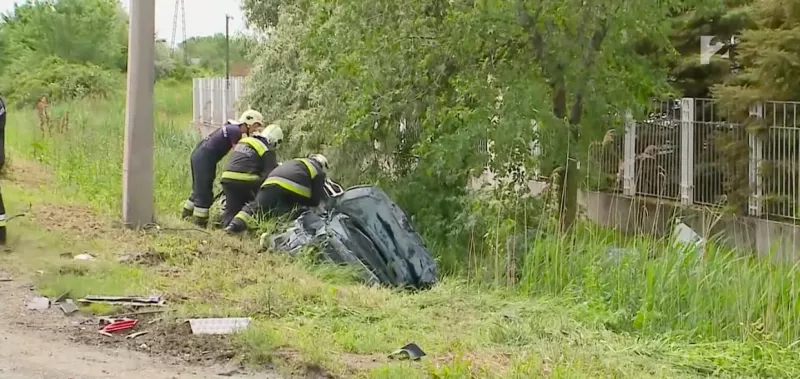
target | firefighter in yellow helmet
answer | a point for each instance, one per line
(251, 161)
(205, 156)
(295, 183)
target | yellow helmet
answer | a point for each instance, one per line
(250, 117)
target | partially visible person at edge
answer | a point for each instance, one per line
(251, 161)
(296, 183)
(205, 156)
(3, 236)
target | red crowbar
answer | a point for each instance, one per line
(119, 325)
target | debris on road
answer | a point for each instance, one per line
(8, 279)
(146, 312)
(410, 351)
(131, 301)
(218, 325)
(61, 297)
(84, 257)
(68, 307)
(136, 334)
(38, 304)
(119, 325)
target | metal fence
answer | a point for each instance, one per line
(689, 150)
(215, 101)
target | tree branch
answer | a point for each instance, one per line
(528, 22)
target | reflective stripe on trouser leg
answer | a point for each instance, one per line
(200, 212)
(188, 205)
(246, 218)
(2, 220)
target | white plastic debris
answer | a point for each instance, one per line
(38, 304)
(686, 236)
(218, 325)
(84, 257)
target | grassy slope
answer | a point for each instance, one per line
(306, 313)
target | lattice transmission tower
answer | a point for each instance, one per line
(180, 8)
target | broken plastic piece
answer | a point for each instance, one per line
(134, 335)
(84, 257)
(131, 301)
(61, 297)
(68, 307)
(218, 325)
(410, 351)
(38, 304)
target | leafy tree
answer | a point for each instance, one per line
(722, 19)
(769, 54)
(62, 49)
(77, 31)
(406, 93)
(210, 51)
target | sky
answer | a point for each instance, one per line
(203, 17)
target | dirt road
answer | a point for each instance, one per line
(33, 346)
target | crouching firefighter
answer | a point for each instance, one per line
(205, 156)
(296, 183)
(251, 161)
(2, 163)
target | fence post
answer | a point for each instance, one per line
(756, 156)
(629, 163)
(226, 89)
(687, 151)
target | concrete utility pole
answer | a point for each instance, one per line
(137, 169)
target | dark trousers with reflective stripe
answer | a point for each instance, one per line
(237, 194)
(272, 201)
(204, 170)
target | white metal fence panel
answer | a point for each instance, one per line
(215, 100)
(690, 151)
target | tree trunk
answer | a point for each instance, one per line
(569, 191)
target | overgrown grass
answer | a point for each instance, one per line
(87, 161)
(648, 311)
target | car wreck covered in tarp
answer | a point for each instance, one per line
(364, 228)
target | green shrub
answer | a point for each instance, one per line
(26, 81)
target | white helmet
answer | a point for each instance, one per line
(273, 134)
(249, 117)
(320, 159)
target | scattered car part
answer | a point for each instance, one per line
(218, 325)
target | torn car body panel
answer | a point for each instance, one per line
(365, 228)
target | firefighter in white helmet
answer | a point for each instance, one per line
(251, 161)
(296, 183)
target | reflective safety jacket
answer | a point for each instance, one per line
(302, 177)
(217, 144)
(251, 160)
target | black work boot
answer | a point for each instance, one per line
(188, 209)
(2, 235)
(200, 221)
(236, 226)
